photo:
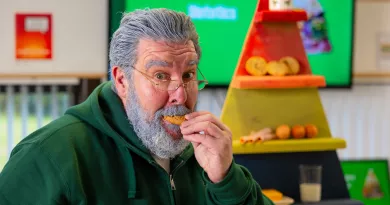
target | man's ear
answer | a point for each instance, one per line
(120, 80)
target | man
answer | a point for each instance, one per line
(119, 146)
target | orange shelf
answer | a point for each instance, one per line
(295, 81)
(280, 16)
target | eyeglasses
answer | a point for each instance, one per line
(171, 85)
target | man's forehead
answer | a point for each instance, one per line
(163, 63)
(166, 54)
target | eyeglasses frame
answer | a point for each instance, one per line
(156, 84)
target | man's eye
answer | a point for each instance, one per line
(161, 76)
(188, 75)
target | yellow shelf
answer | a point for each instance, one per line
(289, 145)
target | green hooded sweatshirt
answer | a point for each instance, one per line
(92, 156)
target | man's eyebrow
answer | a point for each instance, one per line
(193, 62)
(160, 63)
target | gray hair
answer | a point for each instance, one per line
(156, 24)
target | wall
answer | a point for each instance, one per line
(361, 116)
(80, 37)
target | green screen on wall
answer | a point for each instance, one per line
(367, 180)
(222, 26)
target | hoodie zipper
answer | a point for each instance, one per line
(173, 187)
(172, 182)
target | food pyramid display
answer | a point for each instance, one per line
(272, 104)
(372, 188)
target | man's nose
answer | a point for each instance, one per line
(178, 96)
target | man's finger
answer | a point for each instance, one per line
(205, 140)
(195, 144)
(205, 117)
(206, 126)
(195, 114)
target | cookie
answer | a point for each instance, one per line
(256, 66)
(276, 68)
(292, 64)
(177, 120)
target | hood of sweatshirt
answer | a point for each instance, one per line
(104, 111)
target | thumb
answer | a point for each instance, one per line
(195, 144)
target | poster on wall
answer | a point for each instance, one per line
(33, 36)
(314, 31)
(367, 180)
(383, 51)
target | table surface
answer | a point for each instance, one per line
(334, 202)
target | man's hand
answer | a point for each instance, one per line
(213, 147)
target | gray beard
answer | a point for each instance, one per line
(151, 132)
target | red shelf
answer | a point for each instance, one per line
(294, 81)
(280, 16)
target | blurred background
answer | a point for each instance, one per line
(53, 53)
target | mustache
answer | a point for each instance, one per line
(172, 110)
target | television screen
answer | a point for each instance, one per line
(223, 25)
(367, 180)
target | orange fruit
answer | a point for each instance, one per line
(298, 131)
(311, 130)
(283, 132)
